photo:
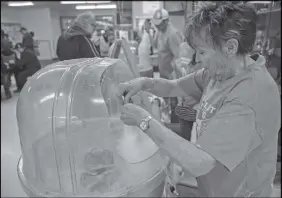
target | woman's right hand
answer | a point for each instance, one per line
(130, 88)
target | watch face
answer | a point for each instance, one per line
(143, 125)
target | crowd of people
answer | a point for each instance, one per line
(19, 60)
(78, 41)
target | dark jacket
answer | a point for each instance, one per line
(28, 41)
(74, 44)
(3, 66)
(28, 61)
(6, 47)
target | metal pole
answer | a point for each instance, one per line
(269, 19)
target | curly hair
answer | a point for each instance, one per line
(221, 22)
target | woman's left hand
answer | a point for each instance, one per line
(132, 114)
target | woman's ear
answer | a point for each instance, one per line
(231, 47)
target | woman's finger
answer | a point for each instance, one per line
(121, 88)
(129, 95)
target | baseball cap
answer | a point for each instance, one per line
(160, 15)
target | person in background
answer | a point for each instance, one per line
(6, 45)
(105, 41)
(96, 39)
(26, 62)
(35, 44)
(275, 70)
(7, 55)
(76, 42)
(27, 41)
(236, 148)
(168, 40)
(14, 69)
(5, 80)
(275, 55)
(31, 34)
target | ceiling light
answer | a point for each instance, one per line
(92, 7)
(18, 4)
(260, 2)
(84, 2)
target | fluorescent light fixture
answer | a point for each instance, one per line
(19, 4)
(84, 2)
(92, 7)
(260, 2)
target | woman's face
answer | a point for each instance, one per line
(217, 61)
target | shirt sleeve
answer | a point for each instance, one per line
(231, 135)
(193, 85)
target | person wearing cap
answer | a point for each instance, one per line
(76, 42)
(27, 41)
(168, 42)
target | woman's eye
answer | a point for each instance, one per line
(201, 53)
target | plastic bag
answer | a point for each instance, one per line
(144, 52)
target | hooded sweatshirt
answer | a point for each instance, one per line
(75, 43)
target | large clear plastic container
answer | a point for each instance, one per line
(67, 138)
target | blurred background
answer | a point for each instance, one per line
(49, 19)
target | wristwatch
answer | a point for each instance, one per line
(144, 125)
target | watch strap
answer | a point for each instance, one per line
(146, 122)
(148, 118)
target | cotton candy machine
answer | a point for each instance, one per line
(68, 138)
